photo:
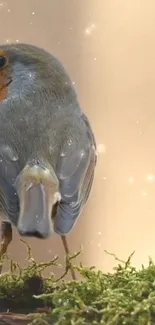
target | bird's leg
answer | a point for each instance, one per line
(6, 235)
(65, 244)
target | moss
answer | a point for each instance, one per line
(126, 296)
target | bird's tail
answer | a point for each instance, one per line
(38, 191)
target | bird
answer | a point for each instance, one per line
(47, 146)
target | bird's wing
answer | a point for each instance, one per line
(8, 197)
(75, 171)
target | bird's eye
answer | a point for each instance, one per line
(3, 61)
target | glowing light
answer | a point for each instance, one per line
(99, 233)
(150, 178)
(95, 59)
(62, 154)
(131, 180)
(88, 31)
(101, 148)
(8, 41)
(33, 13)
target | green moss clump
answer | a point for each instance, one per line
(18, 286)
(126, 297)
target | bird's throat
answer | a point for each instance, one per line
(4, 84)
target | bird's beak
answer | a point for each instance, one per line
(4, 83)
(37, 196)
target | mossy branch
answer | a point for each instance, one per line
(125, 297)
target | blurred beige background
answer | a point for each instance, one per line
(108, 48)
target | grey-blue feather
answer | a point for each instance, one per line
(9, 203)
(75, 171)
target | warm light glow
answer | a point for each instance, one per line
(150, 178)
(131, 180)
(90, 29)
(101, 148)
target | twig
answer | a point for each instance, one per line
(126, 263)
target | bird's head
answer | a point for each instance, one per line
(26, 69)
